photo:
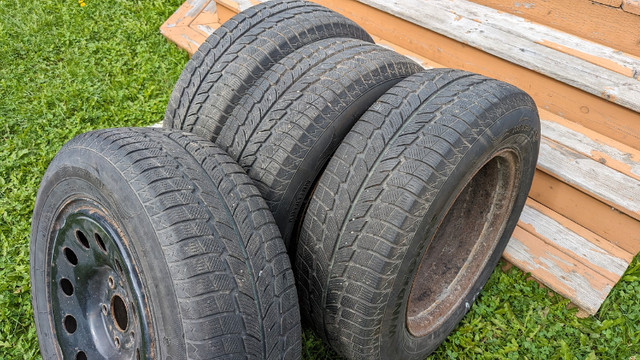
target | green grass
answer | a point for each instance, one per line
(66, 69)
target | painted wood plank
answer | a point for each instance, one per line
(186, 13)
(609, 26)
(617, 227)
(185, 37)
(625, 163)
(631, 6)
(614, 154)
(571, 279)
(585, 247)
(599, 180)
(613, 3)
(516, 40)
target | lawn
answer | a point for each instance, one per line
(66, 69)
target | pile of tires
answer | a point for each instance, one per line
(302, 170)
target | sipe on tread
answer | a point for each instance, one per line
(306, 117)
(393, 173)
(206, 224)
(239, 52)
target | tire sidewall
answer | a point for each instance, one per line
(79, 174)
(518, 130)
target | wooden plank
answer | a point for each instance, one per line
(609, 26)
(185, 38)
(571, 279)
(518, 41)
(613, 3)
(599, 180)
(185, 13)
(574, 240)
(631, 6)
(593, 112)
(614, 154)
(600, 218)
(208, 15)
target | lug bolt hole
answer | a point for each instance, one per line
(100, 242)
(104, 309)
(81, 237)
(81, 356)
(116, 340)
(111, 282)
(119, 313)
(70, 324)
(66, 286)
(71, 256)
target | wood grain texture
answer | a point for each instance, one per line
(612, 187)
(613, 3)
(191, 24)
(610, 26)
(519, 41)
(600, 218)
(582, 285)
(631, 6)
(615, 155)
(574, 240)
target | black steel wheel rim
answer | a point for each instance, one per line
(98, 309)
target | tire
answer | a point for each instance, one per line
(239, 52)
(439, 156)
(307, 116)
(154, 244)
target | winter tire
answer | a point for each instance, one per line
(413, 213)
(154, 244)
(287, 128)
(239, 52)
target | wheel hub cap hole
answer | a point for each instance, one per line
(82, 238)
(71, 256)
(119, 313)
(70, 324)
(100, 242)
(66, 286)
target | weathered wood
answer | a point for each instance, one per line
(599, 180)
(631, 6)
(600, 218)
(191, 24)
(571, 279)
(579, 243)
(518, 41)
(614, 154)
(613, 3)
(591, 111)
(606, 25)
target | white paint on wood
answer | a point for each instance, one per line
(208, 30)
(519, 41)
(611, 186)
(558, 274)
(573, 244)
(588, 146)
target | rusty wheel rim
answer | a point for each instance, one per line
(463, 243)
(97, 305)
